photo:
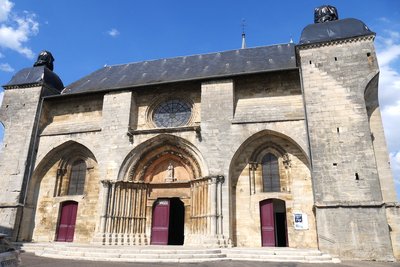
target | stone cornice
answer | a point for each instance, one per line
(22, 86)
(336, 42)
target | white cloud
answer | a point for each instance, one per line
(391, 53)
(5, 8)
(388, 54)
(6, 67)
(384, 19)
(16, 29)
(395, 164)
(113, 32)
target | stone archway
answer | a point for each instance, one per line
(165, 167)
(47, 190)
(248, 190)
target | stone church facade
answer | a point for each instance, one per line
(279, 145)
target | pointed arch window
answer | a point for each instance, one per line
(270, 173)
(77, 178)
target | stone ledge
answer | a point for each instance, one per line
(236, 121)
(195, 128)
(70, 128)
(338, 204)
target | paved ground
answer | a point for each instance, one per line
(30, 260)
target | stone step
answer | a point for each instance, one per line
(129, 250)
(285, 251)
(130, 254)
(291, 257)
(172, 253)
(143, 260)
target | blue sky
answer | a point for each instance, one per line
(86, 35)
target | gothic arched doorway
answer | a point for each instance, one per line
(168, 222)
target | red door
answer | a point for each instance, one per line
(66, 226)
(267, 223)
(160, 223)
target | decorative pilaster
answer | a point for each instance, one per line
(252, 177)
(287, 162)
(213, 204)
(104, 205)
(220, 181)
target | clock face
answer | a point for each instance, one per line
(172, 113)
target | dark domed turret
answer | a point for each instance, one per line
(334, 30)
(35, 76)
(39, 75)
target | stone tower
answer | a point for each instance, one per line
(351, 176)
(20, 114)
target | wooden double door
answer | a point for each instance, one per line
(168, 222)
(273, 223)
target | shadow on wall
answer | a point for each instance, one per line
(6, 230)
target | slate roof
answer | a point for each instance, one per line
(334, 30)
(214, 65)
(35, 76)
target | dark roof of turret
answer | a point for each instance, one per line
(334, 30)
(35, 76)
(214, 65)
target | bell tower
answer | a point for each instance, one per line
(20, 114)
(351, 179)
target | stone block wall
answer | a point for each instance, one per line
(354, 233)
(117, 128)
(346, 181)
(18, 114)
(393, 215)
(344, 166)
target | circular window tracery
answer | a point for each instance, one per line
(172, 113)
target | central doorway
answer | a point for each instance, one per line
(168, 222)
(273, 223)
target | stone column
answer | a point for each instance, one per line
(220, 181)
(213, 204)
(104, 205)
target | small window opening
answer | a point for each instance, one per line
(310, 62)
(337, 130)
(335, 58)
(357, 176)
(368, 54)
(334, 164)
